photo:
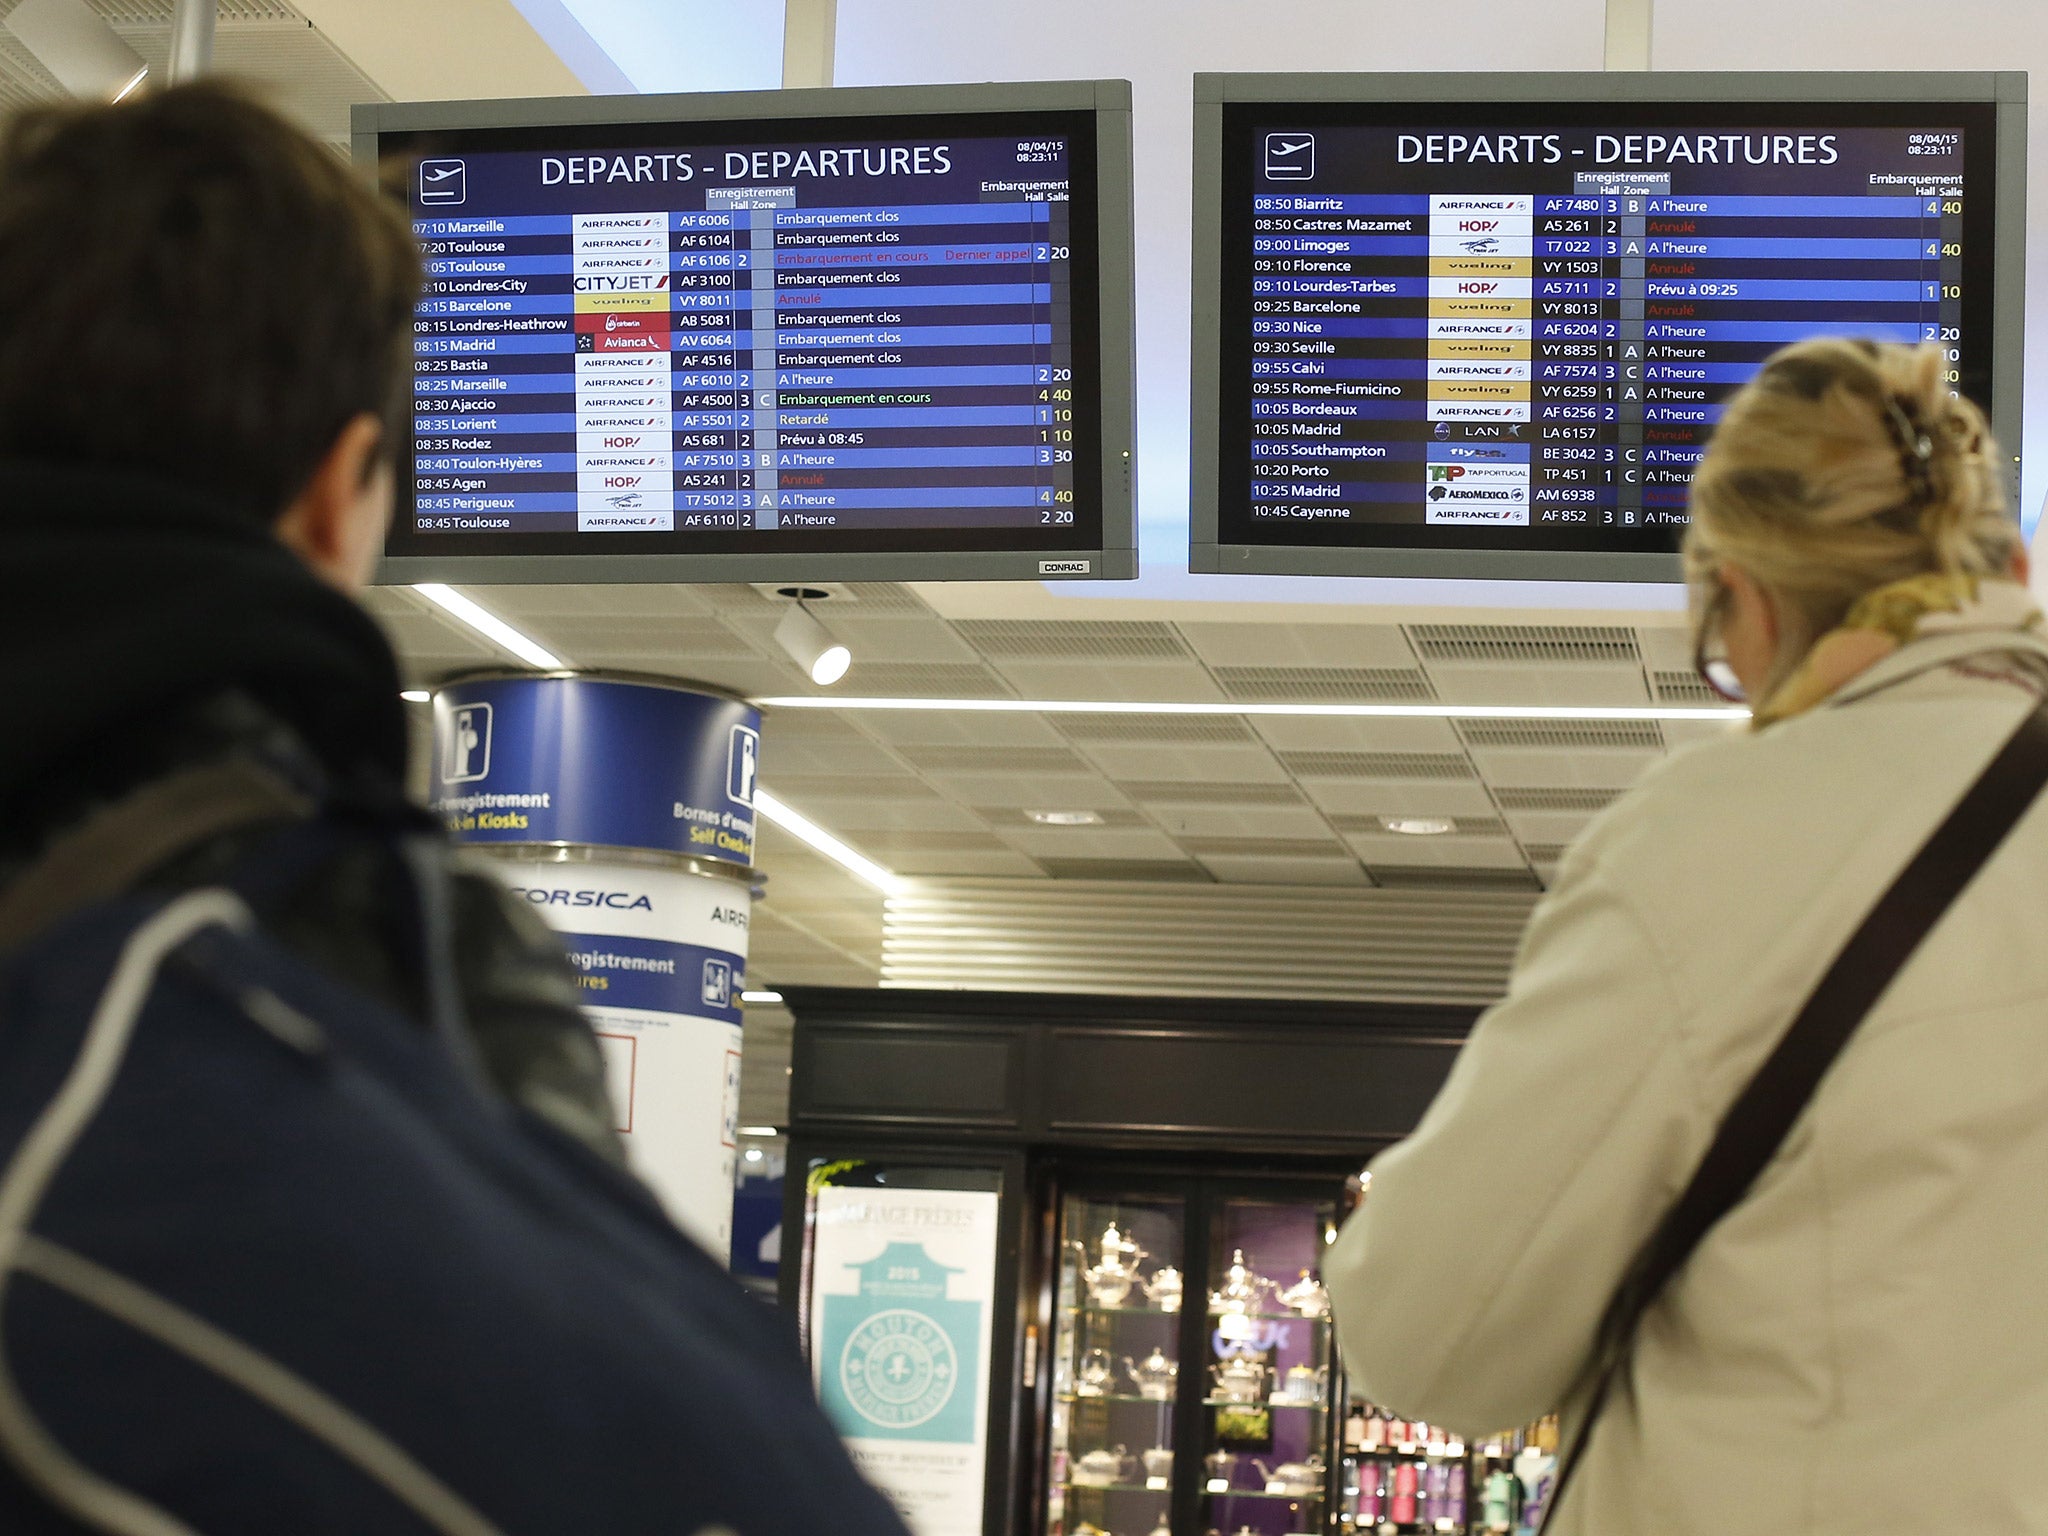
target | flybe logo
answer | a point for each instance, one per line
(617, 901)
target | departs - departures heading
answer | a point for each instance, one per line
(1513, 335)
(747, 344)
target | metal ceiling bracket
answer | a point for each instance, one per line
(191, 39)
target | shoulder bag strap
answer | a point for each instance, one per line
(1763, 1114)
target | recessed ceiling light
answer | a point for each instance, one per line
(1066, 818)
(1419, 826)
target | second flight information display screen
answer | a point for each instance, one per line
(849, 334)
(1511, 327)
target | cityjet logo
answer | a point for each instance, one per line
(617, 901)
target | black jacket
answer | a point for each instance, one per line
(145, 634)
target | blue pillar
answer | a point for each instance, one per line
(624, 812)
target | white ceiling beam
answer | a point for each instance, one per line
(1628, 33)
(810, 34)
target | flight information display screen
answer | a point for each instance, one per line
(871, 333)
(1511, 327)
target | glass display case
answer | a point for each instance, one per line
(1115, 1365)
(1266, 1450)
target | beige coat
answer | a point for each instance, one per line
(1860, 1347)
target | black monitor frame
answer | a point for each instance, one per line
(1111, 476)
(2005, 93)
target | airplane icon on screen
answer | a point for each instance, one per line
(443, 182)
(1290, 156)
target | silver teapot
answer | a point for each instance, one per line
(1095, 1374)
(1158, 1462)
(1243, 1288)
(1240, 1379)
(1293, 1477)
(1111, 1278)
(1103, 1468)
(1302, 1384)
(1306, 1296)
(1163, 1290)
(1155, 1375)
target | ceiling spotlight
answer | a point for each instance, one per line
(1066, 818)
(417, 696)
(74, 43)
(1419, 826)
(810, 644)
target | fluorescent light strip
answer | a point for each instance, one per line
(490, 626)
(417, 696)
(760, 997)
(801, 827)
(1341, 711)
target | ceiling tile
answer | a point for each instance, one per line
(1545, 826)
(1135, 682)
(1154, 763)
(1033, 791)
(1367, 797)
(1292, 733)
(1090, 842)
(908, 727)
(1595, 769)
(1252, 870)
(1289, 821)
(1299, 645)
(1389, 849)
(1597, 686)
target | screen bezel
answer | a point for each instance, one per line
(2004, 91)
(1112, 555)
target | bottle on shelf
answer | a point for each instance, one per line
(1401, 1507)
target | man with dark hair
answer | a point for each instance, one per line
(404, 1285)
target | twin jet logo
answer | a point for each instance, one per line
(742, 765)
(466, 750)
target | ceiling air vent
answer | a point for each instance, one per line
(1544, 853)
(1683, 688)
(1462, 826)
(994, 759)
(1116, 729)
(1124, 869)
(1398, 877)
(1072, 639)
(1377, 765)
(1585, 801)
(1635, 735)
(1526, 643)
(1173, 792)
(1343, 685)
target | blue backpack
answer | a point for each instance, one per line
(273, 1260)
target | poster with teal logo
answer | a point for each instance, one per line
(905, 1286)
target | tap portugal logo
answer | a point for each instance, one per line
(898, 1369)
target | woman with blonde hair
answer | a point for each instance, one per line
(1858, 1345)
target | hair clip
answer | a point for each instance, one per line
(1914, 444)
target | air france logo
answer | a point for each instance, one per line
(742, 764)
(466, 750)
(443, 183)
(717, 984)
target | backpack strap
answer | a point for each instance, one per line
(1763, 1114)
(116, 847)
